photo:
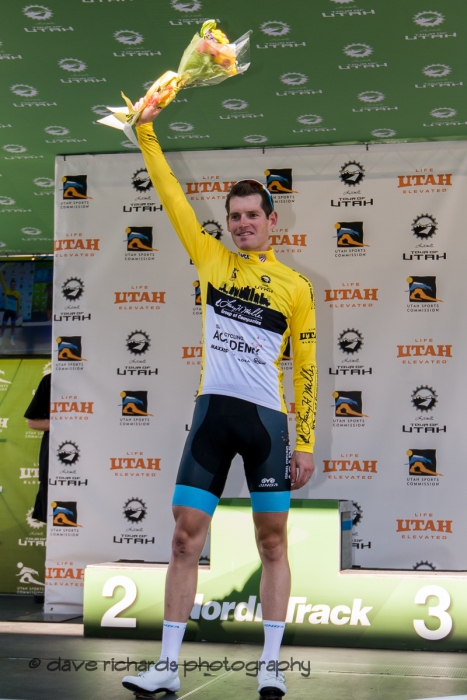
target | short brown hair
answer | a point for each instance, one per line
(243, 188)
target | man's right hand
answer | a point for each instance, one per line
(149, 113)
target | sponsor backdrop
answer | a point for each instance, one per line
(379, 232)
(322, 72)
(23, 538)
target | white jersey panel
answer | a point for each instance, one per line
(240, 359)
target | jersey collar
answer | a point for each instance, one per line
(252, 256)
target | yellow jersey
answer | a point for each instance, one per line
(252, 306)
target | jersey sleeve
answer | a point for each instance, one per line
(200, 246)
(305, 374)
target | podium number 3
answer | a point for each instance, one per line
(439, 611)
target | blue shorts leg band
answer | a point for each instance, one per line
(270, 502)
(195, 498)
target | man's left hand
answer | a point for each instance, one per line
(302, 466)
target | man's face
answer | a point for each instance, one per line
(248, 224)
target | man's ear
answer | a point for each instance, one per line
(272, 219)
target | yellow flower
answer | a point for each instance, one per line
(219, 36)
(208, 31)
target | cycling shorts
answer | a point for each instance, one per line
(9, 314)
(222, 427)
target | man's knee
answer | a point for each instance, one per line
(190, 532)
(272, 546)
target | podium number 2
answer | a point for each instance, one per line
(439, 611)
(110, 618)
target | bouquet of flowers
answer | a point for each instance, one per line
(208, 59)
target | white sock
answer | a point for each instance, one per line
(172, 638)
(273, 633)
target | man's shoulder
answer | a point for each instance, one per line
(297, 276)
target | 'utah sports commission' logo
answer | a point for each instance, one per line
(73, 289)
(75, 187)
(350, 234)
(141, 180)
(138, 342)
(424, 398)
(352, 173)
(279, 181)
(139, 238)
(135, 510)
(134, 403)
(422, 463)
(424, 226)
(422, 289)
(348, 404)
(350, 341)
(68, 453)
(69, 349)
(64, 514)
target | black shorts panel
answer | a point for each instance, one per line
(224, 426)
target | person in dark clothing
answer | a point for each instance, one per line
(38, 416)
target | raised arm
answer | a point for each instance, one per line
(198, 244)
(5, 288)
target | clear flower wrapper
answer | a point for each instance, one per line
(208, 59)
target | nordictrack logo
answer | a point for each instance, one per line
(428, 19)
(73, 65)
(126, 36)
(24, 90)
(273, 28)
(37, 12)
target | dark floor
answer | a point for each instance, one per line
(30, 667)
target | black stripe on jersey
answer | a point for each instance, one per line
(244, 311)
